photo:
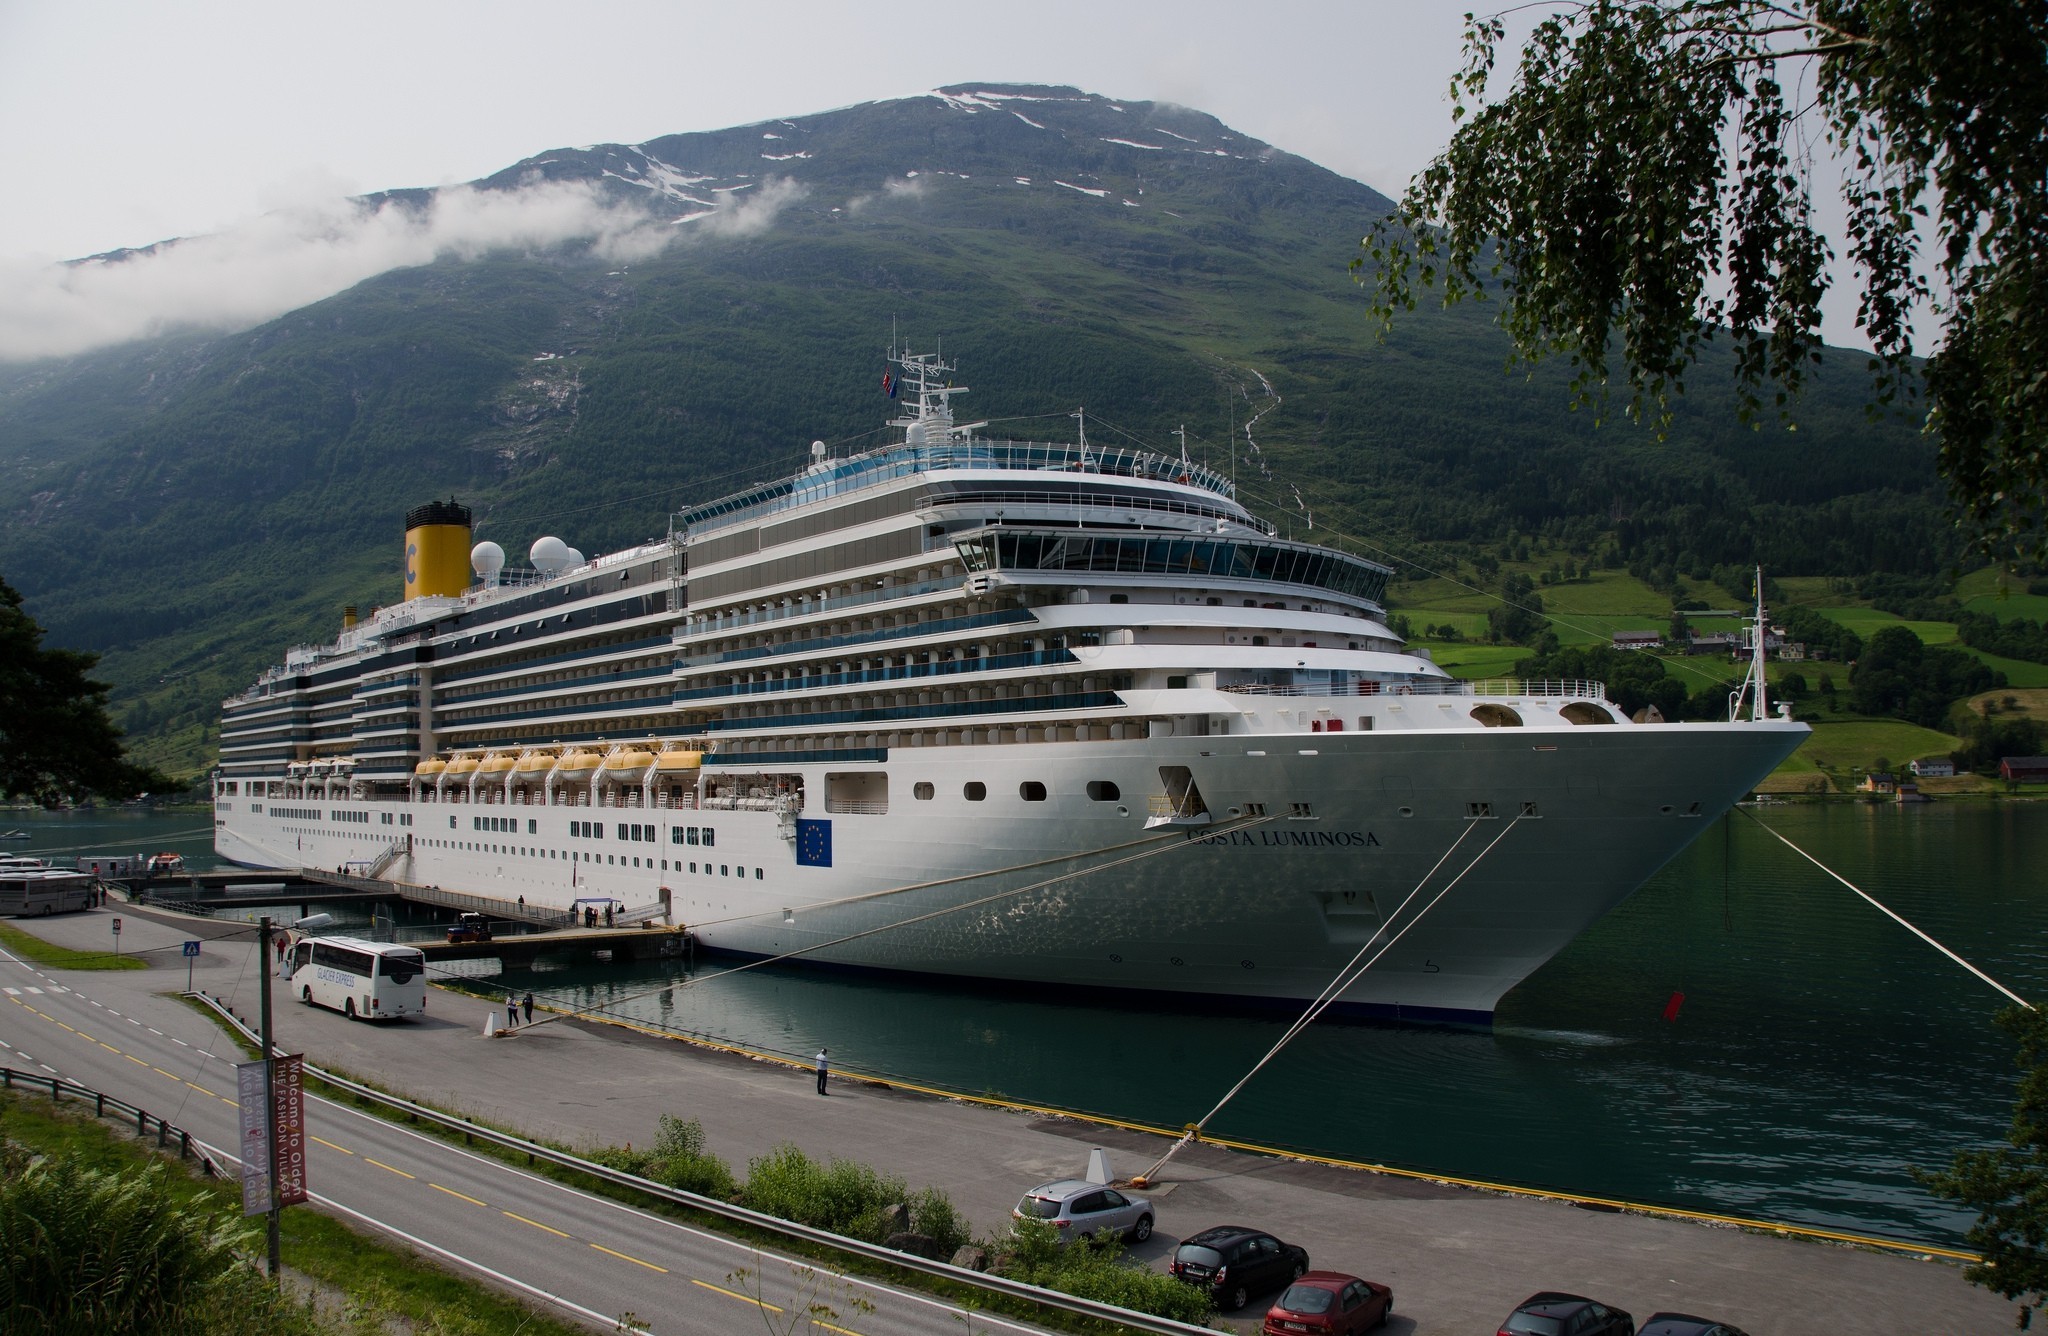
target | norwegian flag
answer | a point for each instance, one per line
(888, 385)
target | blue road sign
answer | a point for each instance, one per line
(191, 948)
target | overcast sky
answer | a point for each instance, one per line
(125, 123)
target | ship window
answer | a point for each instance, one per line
(675, 835)
(974, 791)
(1177, 682)
(690, 835)
(710, 837)
(693, 867)
(1478, 811)
(532, 826)
(1300, 812)
(451, 823)
(724, 870)
(1119, 598)
(758, 874)
(1254, 809)
(922, 791)
(1031, 791)
(1104, 791)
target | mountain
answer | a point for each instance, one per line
(190, 505)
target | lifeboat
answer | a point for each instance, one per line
(494, 766)
(629, 764)
(462, 767)
(577, 763)
(430, 767)
(534, 765)
(673, 760)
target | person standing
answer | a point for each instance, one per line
(824, 1069)
(511, 1010)
(526, 1005)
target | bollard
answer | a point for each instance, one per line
(99, 1104)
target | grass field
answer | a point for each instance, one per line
(63, 957)
(1842, 752)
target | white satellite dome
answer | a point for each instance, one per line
(576, 557)
(550, 555)
(487, 559)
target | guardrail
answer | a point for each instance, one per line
(872, 1252)
(165, 1132)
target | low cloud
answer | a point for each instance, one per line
(260, 269)
(895, 188)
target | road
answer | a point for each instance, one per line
(591, 1257)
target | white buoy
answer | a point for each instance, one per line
(1098, 1166)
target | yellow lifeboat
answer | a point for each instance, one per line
(629, 764)
(496, 765)
(534, 765)
(460, 768)
(674, 759)
(578, 763)
(430, 767)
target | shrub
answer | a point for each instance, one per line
(677, 1159)
(846, 1197)
(1096, 1269)
(932, 1214)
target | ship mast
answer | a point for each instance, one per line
(928, 415)
(1753, 684)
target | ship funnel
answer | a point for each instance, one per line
(436, 550)
(348, 617)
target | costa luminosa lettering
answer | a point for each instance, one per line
(1291, 839)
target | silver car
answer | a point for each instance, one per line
(1078, 1209)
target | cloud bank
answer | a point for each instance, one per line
(258, 270)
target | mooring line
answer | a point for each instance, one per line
(1157, 848)
(1345, 977)
(1887, 912)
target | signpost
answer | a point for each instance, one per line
(117, 935)
(191, 954)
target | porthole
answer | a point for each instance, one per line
(1244, 964)
(1104, 790)
(1667, 809)
(1116, 959)
(974, 791)
(1407, 811)
(1177, 960)
(1031, 791)
(922, 791)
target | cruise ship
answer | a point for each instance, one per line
(1049, 715)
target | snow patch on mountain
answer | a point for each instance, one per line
(1086, 190)
(1132, 143)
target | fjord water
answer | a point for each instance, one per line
(1820, 1053)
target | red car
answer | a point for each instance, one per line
(1331, 1302)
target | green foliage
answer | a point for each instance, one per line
(678, 1160)
(1096, 1269)
(1915, 598)
(90, 1252)
(1642, 188)
(1900, 677)
(1823, 637)
(2020, 638)
(1634, 679)
(56, 741)
(1990, 741)
(1519, 615)
(845, 1196)
(2008, 1185)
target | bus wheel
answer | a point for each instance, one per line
(349, 1008)
(306, 994)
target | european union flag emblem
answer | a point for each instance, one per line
(813, 843)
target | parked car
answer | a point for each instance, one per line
(1681, 1324)
(1234, 1263)
(1082, 1210)
(1331, 1302)
(1554, 1314)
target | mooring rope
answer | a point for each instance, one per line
(1156, 849)
(1345, 977)
(1888, 913)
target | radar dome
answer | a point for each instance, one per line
(915, 435)
(487, 559)
(576, 557)
(550, 556)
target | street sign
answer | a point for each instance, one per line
(191, 948)
(117, 927)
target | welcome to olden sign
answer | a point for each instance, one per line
(290, 1091)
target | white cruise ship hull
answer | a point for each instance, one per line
(1470, 855)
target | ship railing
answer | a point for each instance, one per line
(709, 623)
(1042, 499)
(1565, 688)
(853, 807)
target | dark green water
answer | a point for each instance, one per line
(1821, 1051)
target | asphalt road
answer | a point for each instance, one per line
(594, 1258)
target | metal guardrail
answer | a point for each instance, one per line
(58, 1087)
(872, 1252)
(1431, 687)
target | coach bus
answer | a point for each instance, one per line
(375, 981)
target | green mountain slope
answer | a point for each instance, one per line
(192, 505)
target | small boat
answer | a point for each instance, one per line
(15, 834)
(165, 865)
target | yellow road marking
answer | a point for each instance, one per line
(829, 1327)
(161, 1072)
(111, 1049)
(733, 1294)
(331, 1146)
(202, 1090)
(453, 1193)
(53, 1018)
(538, 1225)
(637, 1262)
(381, 1165)
(137, 1061)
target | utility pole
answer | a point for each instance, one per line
(270, 1102)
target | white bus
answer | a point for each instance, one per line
(374, 981)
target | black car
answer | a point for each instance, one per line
(1554, 1314)
(1234, 1263)
(1682, 1324)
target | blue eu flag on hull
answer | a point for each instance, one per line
(813, 843)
